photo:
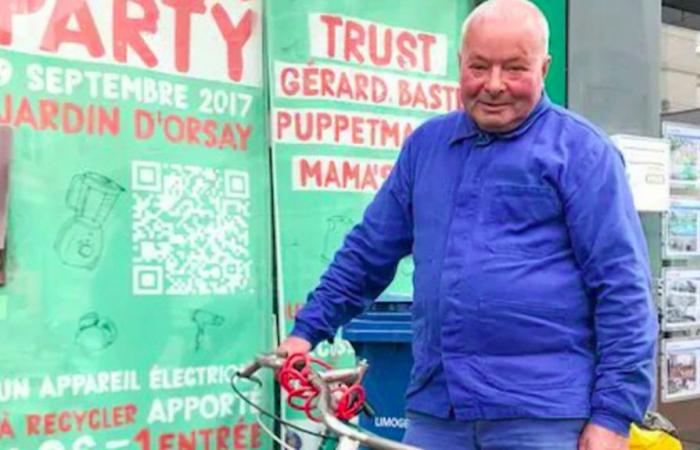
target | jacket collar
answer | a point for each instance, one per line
(466, 128)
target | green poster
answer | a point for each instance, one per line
(349, 81)
(138, 263)
(556, 13)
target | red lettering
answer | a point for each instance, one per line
(64, 422)
(235, 37)
(144, 125)
(80, 417)
(309, 85)
(130, 411)
(331, 176)
(307, 171)
(205, 436)
(179, 133)
(194, 126)
(351, 174)
(341, 124)
(165, 441)
(289, 88)
(143, 438)
(255, 432)
(9, 8)
(183, 29)
(390, 132)
(327, 79)
(49, 424)
(127, 31)
(109, 122)
(25, 115)
(361, 84)
(303, 134)
(243, 135)
(284, 119)
(6, 430)
(379, 90)
(331, 22)
(357, 131)
(72, 121)
(385, 59)
(434, 92)
(377, 44)
(323, 121)
(187, 441)
(210, 132)
(373, 124)
(57, 32)
(48, 111)
(354, 38)
(239, 436)
(32, 424)
(117, 418)
(344, 87)
(222, 434)
(406, 44)
(369, 179)
(427, 40)
(404, 93)
(93, 419)
(227, 137)
(419, 98)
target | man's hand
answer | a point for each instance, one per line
(292, 345)
(595, 437)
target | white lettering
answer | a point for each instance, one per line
(209, 407)
(391, 422)
(107, 86)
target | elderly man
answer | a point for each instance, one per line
(532, 318)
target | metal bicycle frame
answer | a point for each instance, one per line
(349, 437)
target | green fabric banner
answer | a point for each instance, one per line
(138, 255)
(349, 81)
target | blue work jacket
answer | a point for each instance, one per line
(531, 284)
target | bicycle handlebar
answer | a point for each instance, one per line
(321, 380)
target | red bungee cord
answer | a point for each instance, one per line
(303, 396)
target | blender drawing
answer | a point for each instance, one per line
(92, 197)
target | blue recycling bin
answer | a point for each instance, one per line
(382, 336)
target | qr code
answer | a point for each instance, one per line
(190, 231)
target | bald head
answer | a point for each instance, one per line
(503, 63)
(522, 13)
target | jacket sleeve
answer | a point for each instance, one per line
(366, 263)
(610, 248)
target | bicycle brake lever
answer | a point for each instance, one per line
(248, 370)
(368, 409)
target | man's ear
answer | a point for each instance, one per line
(545, 66)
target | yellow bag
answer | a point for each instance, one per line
(644, 439)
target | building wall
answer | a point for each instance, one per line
(680, 68)
(613, 72)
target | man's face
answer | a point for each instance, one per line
(502, 70)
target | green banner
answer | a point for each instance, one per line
(138, 255)
(556, 13)
(349, 81)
